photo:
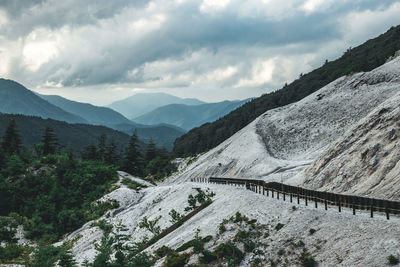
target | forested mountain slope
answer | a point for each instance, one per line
(76, 136)
(365, 57)
(189, 116)
(162, 135)
(16, 99)
(92, 114)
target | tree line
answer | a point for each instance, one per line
(51, 191)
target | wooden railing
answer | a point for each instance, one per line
(295, 193)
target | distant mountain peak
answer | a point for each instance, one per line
(141, 103)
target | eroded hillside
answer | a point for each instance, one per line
(279, 144)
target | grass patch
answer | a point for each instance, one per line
(132, 184)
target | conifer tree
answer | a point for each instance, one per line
(67, 259)
(133, 158)
(90, 152)
(11, 142)
(49, 140)
(102, 146)
(110, 155)
(150, 151)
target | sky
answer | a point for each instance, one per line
(102, 51)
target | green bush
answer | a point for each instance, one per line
(10, 252)
(175, 259)
(197, 243)
(175, 216)
(230, 253)
(141, 260)
(132, 184)
(45, 256)
(249, 245)
(279, 226)
(393, 260)
(308, 262)
(208, 257)
(151, 225)
(98, 209)
(240, 218)
(312, 231)
(104, 226)
(163, 251)
(222, 228)
(203, 198)
(8, 229)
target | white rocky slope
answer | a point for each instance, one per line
(279, 144)
(364, 161)
(340, 239)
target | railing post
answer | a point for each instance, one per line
(272, 193)
(277, 194)
(284, 196)
(298, 196)
(340, 208)
(372, 211)
(291, 198)
(263, 190)
(387, 209)
(315, 200)
(306, 199)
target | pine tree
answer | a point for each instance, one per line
(67, 259)
(150, 151)
(110, 155)
(49, 140)
(2, 159)
(90, 152)
(11, 142)
(133, 158)
(102, 146)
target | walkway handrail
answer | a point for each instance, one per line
(327, 198)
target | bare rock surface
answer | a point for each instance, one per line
(342, 138)
(282, 142)
(340, 239)
(365, 160)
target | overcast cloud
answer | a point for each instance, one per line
(100, 51)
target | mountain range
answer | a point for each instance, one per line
(189, 116)
(162, 125)
(16, 99)
(141, 103)
(92, 114)
(162, 135)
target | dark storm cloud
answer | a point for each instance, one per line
(29, 14)
(119, 41)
